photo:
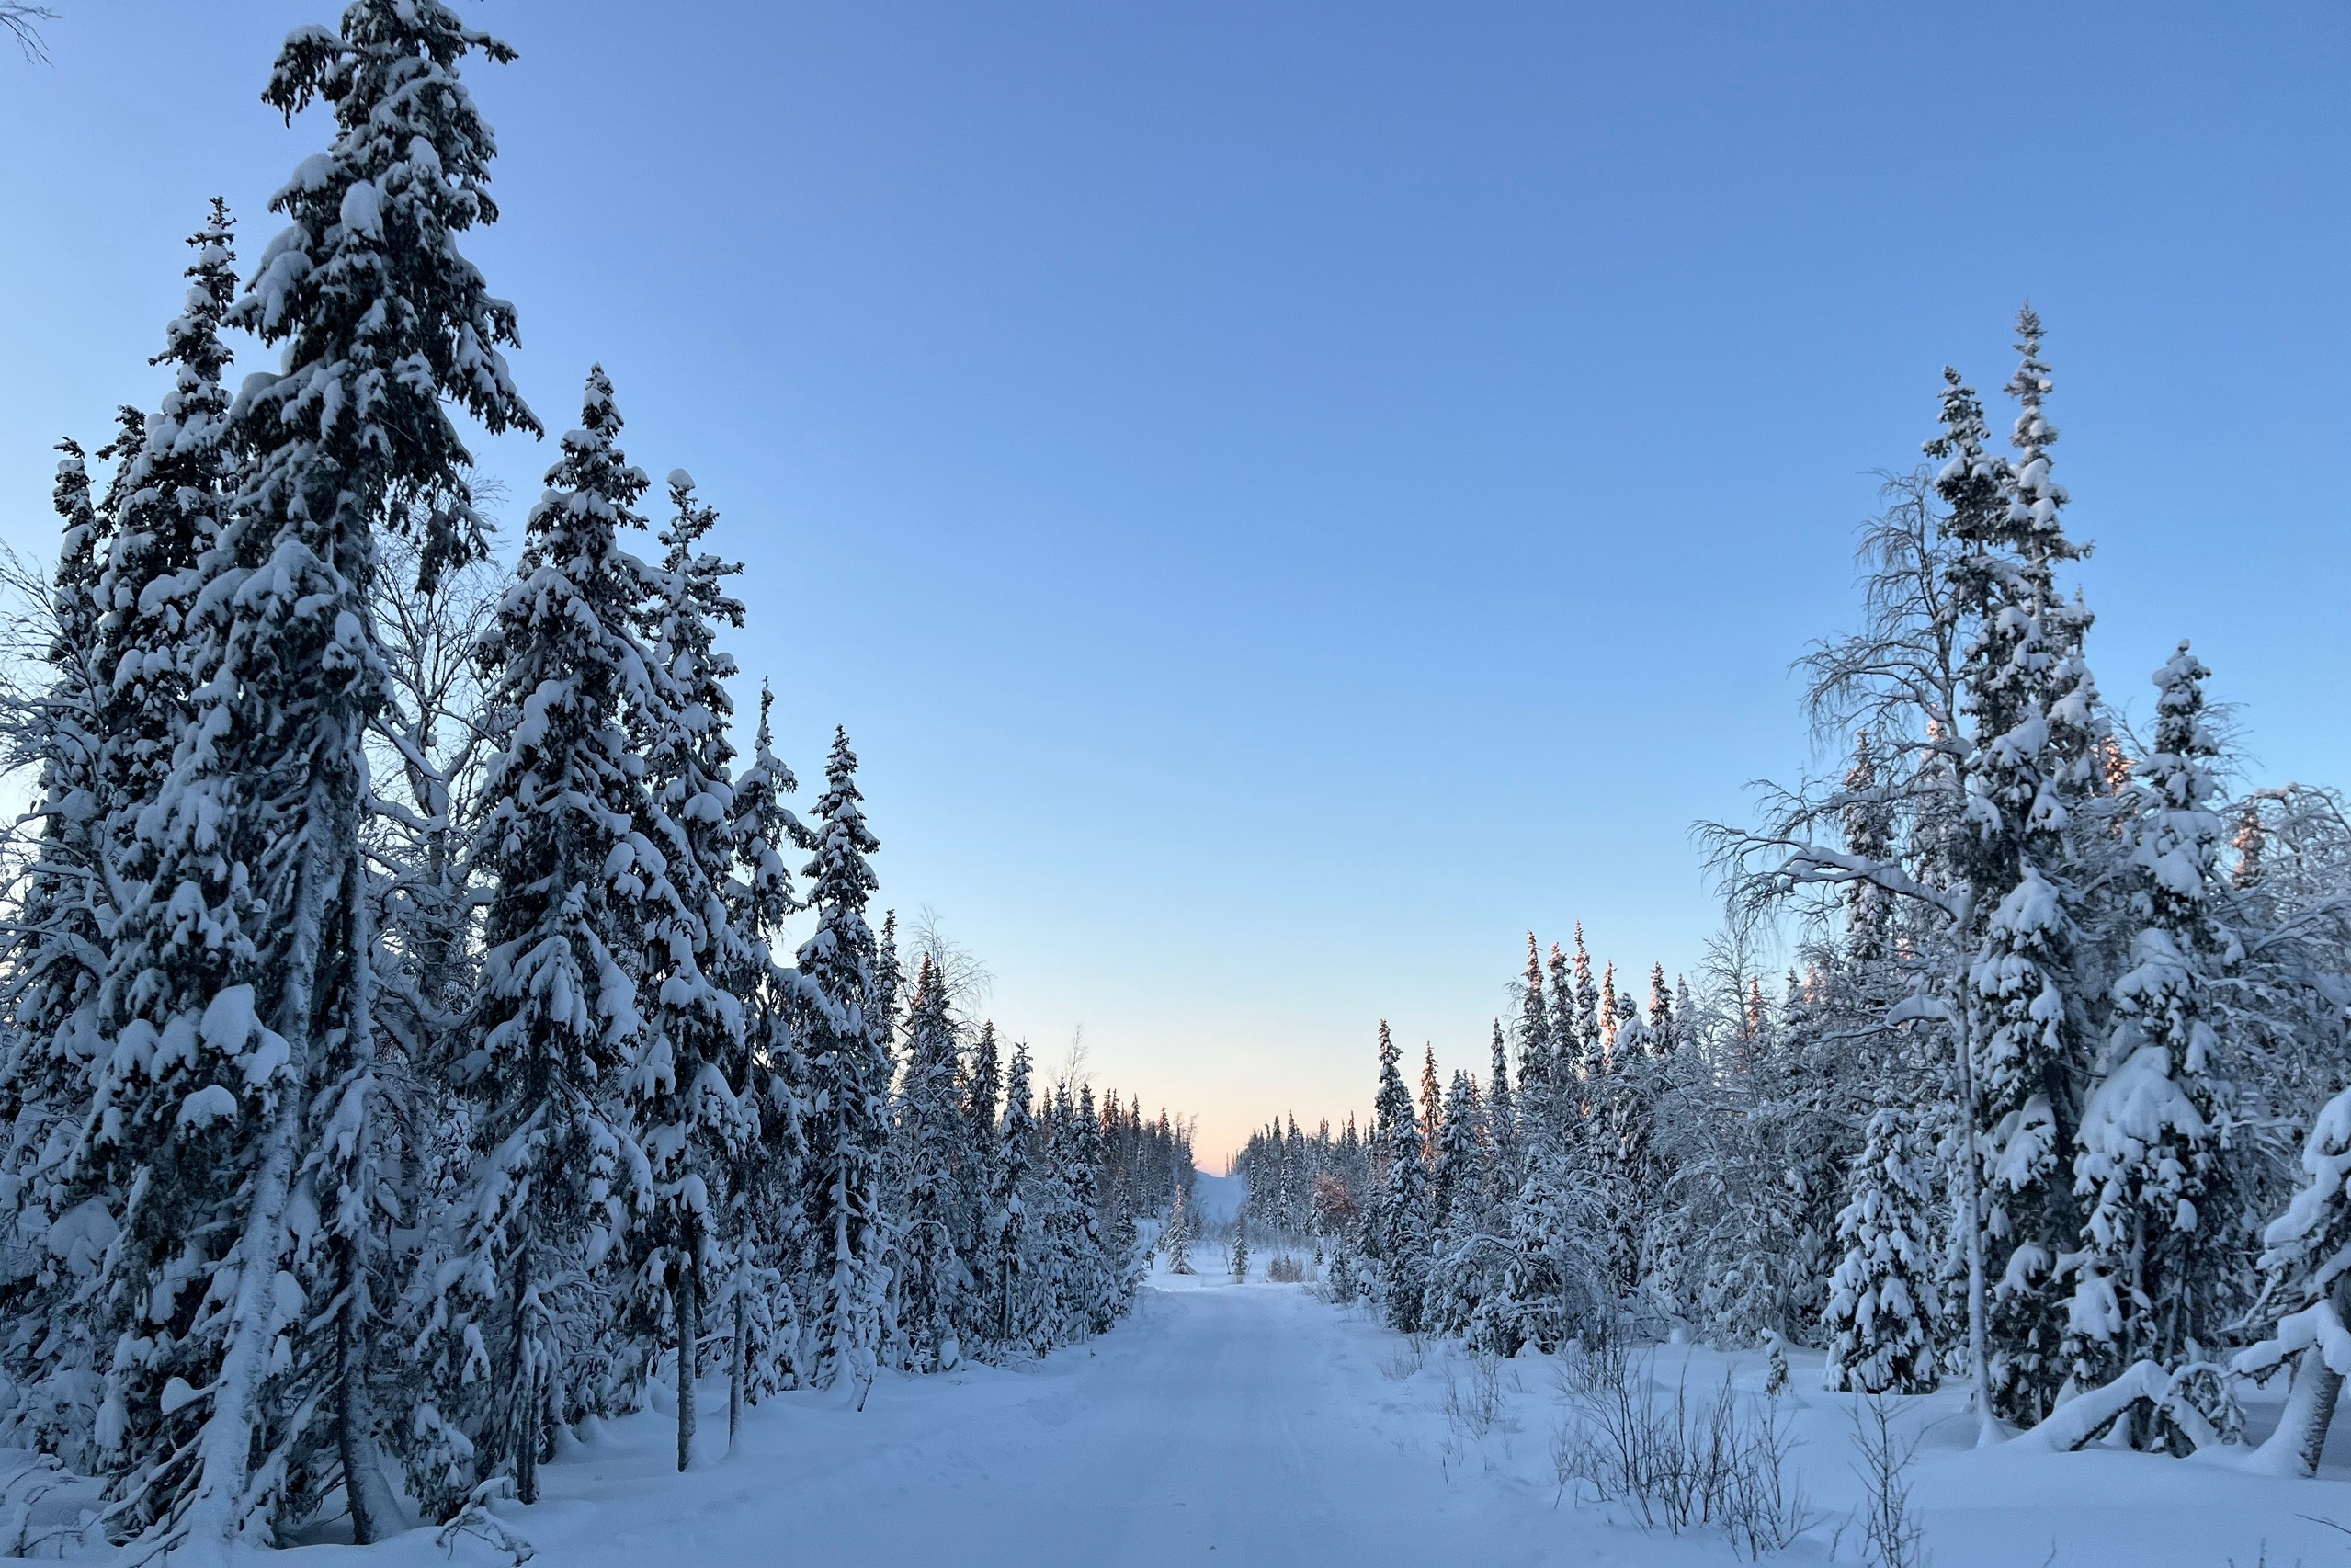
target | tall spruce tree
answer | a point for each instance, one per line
(2036, 725)
(2150, 1161)
(517, 1324)
(247, 944)
(104, 735)
(1400, 1215)
(63, 1213)
(766, 1220)
(1535, 1054)
(931, 1138)
(1432, 1106)
(682, 1086)
(848, 1078)
(1007, 1228)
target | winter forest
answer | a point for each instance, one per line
(463, 1101)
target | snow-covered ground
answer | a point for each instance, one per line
(1253, 1424)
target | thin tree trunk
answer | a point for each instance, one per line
(741, 1354)
(526, 1382)
(527, 1448)
(349, 1431)
(1971, 1200)
(690, 1336)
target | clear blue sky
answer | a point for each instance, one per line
(1287, 497)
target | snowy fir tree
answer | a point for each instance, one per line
(63, 1220)
(518, 1334)
(1240, 1247)
(848, 1074)
(1466, 1259)
(1005, 1237)
(933, 1280)
(1882, 1306)
(1502, 1120)
(246, 931)
(1400, 1213)
(2035, 728)
(2150, 1157)
(1175, 1239)
(766, 1222)
(688, 1120)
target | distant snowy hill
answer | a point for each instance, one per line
(1216, 1199)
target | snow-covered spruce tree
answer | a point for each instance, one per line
(1175, 1238)
(240, 987)
(681, 1088)
(1554, 1250)
(1569, 1068)
(848, 1084)
(767, 1219)
(1534, 1216)
(104, 735)
(982, 1088)
(169, 502)
(1122, 1243)
(1502, 1123)
(1432, 1107)
(1626, 1111)
(1459, 1154)
(1535, 1087)
(2150, 1161)
(1466, 1261)
(1007, 1231)
(1882, 1305)
(1066, 1274)
(514, 1338)
(1098, 1270)
(60, 1221)
(1400, 1211)
(1241, 1246)
(1868, 819)
(1045, 1268)
(1588, 1025)
(980, 1084)
(934, 1283)
(2035, 728)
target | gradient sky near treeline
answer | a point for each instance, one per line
(1287, 498)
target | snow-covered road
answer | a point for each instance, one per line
(1222, 1421)
(1222, 1424)
(1254, 1425)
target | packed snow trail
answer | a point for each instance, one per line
(1256, 1425)
(1217, 1420)
(1220, 1424)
